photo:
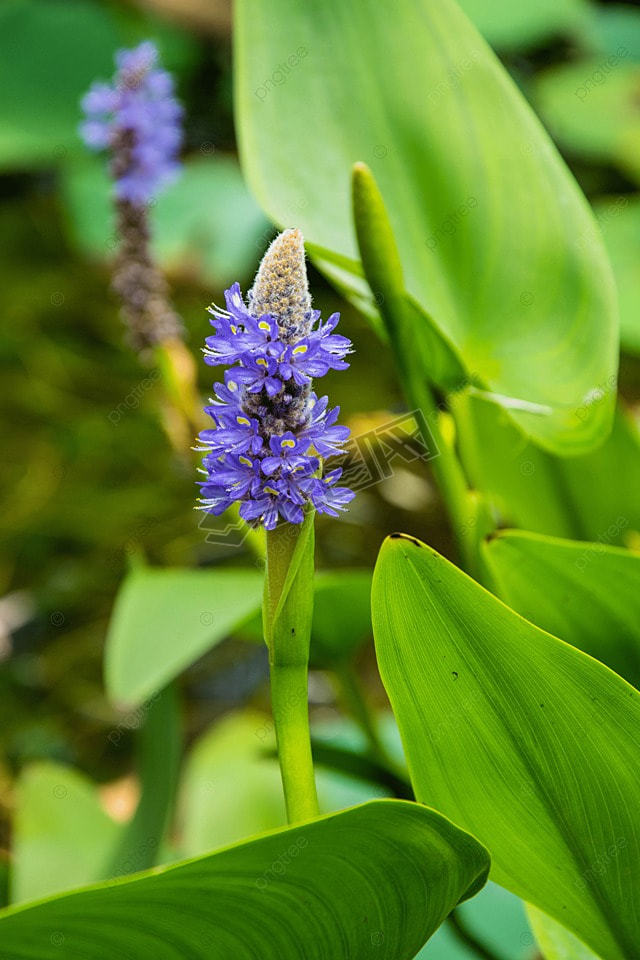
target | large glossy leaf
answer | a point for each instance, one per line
(165, 619)
(585, 593)
(376, 879)
(521, 739)
(62, 837)
(497, 244)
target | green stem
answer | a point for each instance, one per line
(287, 612)
(383, 271)
(447, 470)
(159, 748)
(353, 698)
(291, 718)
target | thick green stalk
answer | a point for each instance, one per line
(287, 611)
(383, 270)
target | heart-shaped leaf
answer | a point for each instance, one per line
(373, 880)
(496, 242)
(164, 620)
(585, 593)
(521, 739)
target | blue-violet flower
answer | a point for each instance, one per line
(271, 432)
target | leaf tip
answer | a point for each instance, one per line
(407, 538)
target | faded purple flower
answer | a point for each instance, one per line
(138, 119)
(271, 432)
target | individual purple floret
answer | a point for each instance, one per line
(138, 119)
(271, 432)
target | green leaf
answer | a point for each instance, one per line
(379, 878)
(50, 52)
(231, 787)
(164, 620)
(62, 837)
(341, 615)
(496, 918)
(590, 107)
(416, 341)
(554, 940)
(613, 30)
(463, 168)
(521, 739)
(619, 219)
(206, 221)
(510, 26)
(567, 497)
(584, 593)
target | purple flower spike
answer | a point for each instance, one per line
(139, 120)
(271, 433)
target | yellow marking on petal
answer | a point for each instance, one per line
(246, 461)
(264, 325)
(232, 385)
(243, 421)
(271, 490)
(261, 362)
(288, 443)
(234, 329)
(301, 349)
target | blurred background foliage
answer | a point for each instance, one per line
(92, 482)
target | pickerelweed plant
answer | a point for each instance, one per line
(471, 250)
(267, 451)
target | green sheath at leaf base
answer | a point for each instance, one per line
(287, 612)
